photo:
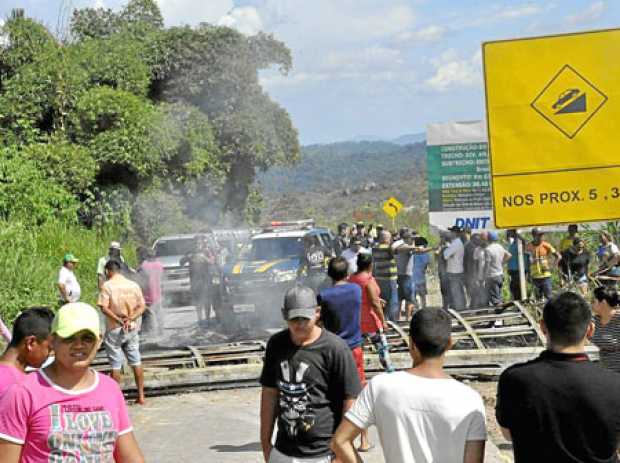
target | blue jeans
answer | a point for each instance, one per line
(456, 285)
(389, 293)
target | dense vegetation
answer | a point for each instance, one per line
(349, 181)
(124, 124)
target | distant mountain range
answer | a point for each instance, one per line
(407, 139)
(348, 180)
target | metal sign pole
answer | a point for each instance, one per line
(521, 261)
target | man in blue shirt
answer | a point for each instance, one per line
(341, 308)
(418, 275)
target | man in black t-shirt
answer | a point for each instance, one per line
(309, 379)
(561, 407)
(575, 263)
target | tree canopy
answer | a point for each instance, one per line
(126, 104)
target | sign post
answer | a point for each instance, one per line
(553, 115)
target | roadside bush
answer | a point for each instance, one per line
(32, 256)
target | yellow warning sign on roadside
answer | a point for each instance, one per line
(553, 115)
(392, 207)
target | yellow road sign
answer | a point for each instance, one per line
(553, 114)
(392, 207)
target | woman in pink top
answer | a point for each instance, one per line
(67, 411)
(372, 319)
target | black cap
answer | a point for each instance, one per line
(299, 301)
(455, 229)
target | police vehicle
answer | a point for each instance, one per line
(254, 286)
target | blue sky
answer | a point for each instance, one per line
(373, 67)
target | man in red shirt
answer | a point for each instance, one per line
(372, 320)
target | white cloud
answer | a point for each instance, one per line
(519, 11)
(592, 13)
(431, 33)
(99, 4)
(366, 59)
(246, 20)
(179, 12)
(452, 71)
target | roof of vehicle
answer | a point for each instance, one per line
(178, 237)
(290, 233)
(219, 233)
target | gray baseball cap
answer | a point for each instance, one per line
(299, 301)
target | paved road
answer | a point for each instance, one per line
(219, 427)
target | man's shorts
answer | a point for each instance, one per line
(420, 288)
(358, 356)
(404, 288)
(120, 344)
(279, 457)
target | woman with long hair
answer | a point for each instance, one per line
(606, 337)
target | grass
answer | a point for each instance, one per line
(31, 257)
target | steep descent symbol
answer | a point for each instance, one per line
(569, 101)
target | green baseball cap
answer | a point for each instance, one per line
(70, 258)
(75, 317)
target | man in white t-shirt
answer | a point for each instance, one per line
(454, 255)
(495, 258)
(68, 285)
(422, 414)
(351, 253)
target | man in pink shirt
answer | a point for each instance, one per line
(67, 411)
(29, 346)
(153, 270)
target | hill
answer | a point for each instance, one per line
(348, 181)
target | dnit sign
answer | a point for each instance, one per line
(553, 117)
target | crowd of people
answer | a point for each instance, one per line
(472, 266)
(557, 407)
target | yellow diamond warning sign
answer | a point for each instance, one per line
(569, 101)
(553, 116)
(392, 207)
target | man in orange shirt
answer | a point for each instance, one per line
(122, 303)
(540, 252)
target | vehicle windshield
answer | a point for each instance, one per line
(276, 248)
(178, 247)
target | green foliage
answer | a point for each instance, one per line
(107, 206)
(115, 61)
(127, 129)
(116, 128)
(66, 163)
(27, 195)
(27, 41)
(31, 263)
(186, 142)
(138, 17)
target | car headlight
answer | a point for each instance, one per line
(280, 276)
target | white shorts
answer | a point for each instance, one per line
(278, 457)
